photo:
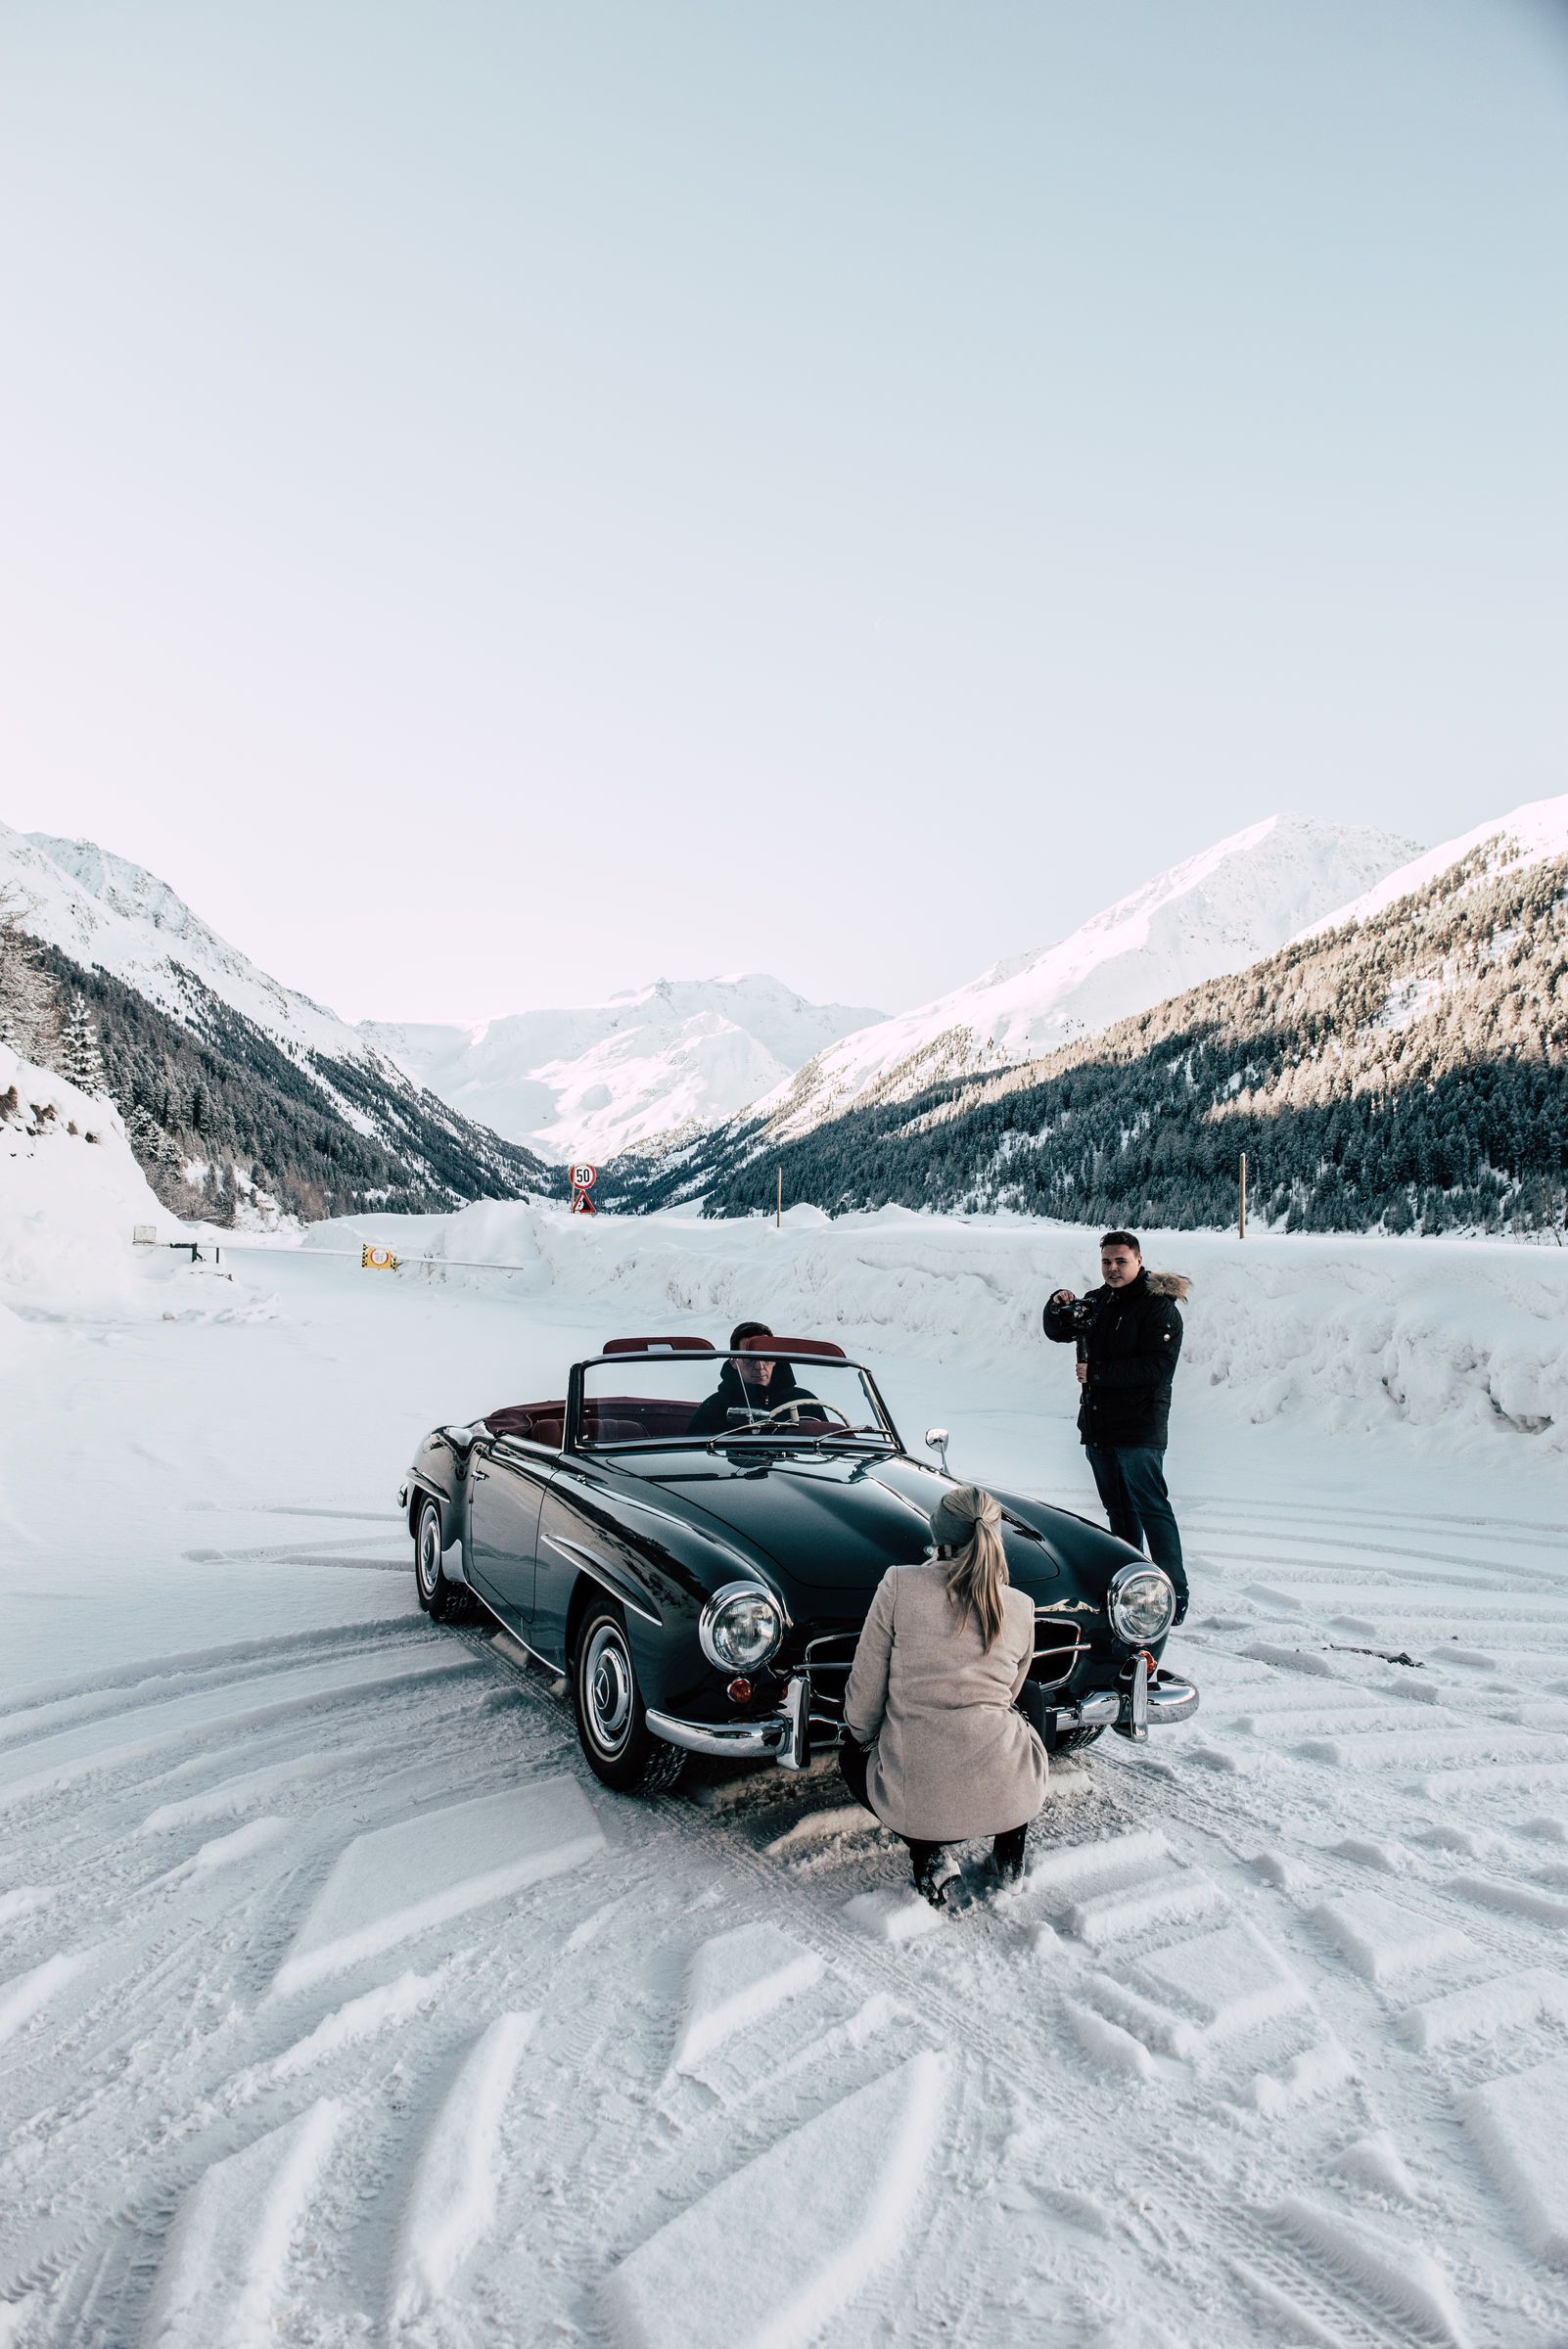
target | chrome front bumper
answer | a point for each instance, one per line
(1147, 1704)
(785, 1736)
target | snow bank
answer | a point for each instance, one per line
(1460, 1338)
(70, 1192)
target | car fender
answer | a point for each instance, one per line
(439, 1471)
(661, 1569)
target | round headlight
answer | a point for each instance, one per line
(1141, 1602)
(740, 1626)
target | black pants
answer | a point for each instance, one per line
(1130, 1479)
(1006, 1850)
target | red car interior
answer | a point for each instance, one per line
(627, 1420)
(657, 1346)
(793, 1346)
(633, 1418)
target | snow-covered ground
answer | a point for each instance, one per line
(340, 2004)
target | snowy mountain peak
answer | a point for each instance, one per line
(668, 1058)
(102, 909)
(673, 1056)
(1533, 833)
(1213, 912)
(125, 887)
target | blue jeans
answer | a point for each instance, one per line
(1130, 1478)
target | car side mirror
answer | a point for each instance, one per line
(937, 1442)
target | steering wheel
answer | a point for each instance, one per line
(795, 1406)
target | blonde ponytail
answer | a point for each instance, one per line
(977, 1569)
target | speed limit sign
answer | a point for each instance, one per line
(583, 1178)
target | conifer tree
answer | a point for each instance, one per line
(82, 1064)
(28, 1021)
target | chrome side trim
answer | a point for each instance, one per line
(504, 1630)
(761, 1739)
(596, 1569)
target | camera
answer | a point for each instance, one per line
(1079, 1315)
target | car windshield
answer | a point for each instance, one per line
(744, 1398)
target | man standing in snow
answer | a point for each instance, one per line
(1129, 1338)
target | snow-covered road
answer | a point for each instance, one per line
(339, 2003)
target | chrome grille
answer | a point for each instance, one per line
(827, 1661)
(1058, 1646)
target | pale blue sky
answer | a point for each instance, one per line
(502, 502)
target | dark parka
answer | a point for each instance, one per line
(1131, 1348)
(711, 1417)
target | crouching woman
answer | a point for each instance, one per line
(934, 1743)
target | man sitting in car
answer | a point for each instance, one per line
(753, 1383)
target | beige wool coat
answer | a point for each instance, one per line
(952, 1758)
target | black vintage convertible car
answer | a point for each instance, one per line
(693, 1539)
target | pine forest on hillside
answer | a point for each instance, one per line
(219, 1096)
(1406, 1074)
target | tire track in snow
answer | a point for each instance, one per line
(967, 1986)
(224, 2264)
(967, 2026)
(452, 2200)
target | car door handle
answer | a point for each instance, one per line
(482, 1476)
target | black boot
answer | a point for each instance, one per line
(933, 1870)
(1008, 1855)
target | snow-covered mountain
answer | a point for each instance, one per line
(224, 1072)
(1530, 835)
(658, 1062)
(100, 908)
(1211, 914)
(1403, 1066)
(674, 1058)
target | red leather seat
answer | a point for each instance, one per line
(535, 1422)
(602, 1429)
(634, 1418)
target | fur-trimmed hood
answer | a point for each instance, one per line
(1170, 1284)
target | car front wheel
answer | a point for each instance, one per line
(612, 1722)
(443, 1602)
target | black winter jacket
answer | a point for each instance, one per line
(711, 1417)
(1133, 1346)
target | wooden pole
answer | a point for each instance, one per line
(778, 1203)
(1241, 1227)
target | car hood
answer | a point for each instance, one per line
(830, 1524)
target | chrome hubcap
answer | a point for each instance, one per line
(608, 1689)
(428, 1553)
